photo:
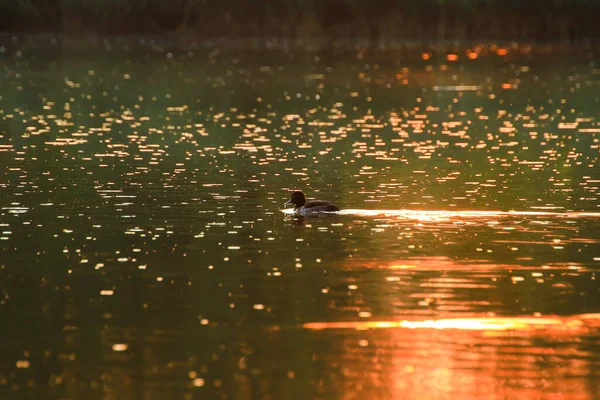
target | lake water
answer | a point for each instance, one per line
(145, 254)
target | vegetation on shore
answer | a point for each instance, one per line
(556, 20)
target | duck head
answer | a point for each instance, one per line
(298, 200)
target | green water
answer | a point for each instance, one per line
(144, 254)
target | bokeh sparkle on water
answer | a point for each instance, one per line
(145, 254)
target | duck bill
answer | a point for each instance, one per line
(288, 203)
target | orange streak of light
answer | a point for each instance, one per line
(555, 323)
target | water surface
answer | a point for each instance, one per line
(145, 254)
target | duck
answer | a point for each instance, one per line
(302, 207)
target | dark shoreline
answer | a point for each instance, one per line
(380, 21)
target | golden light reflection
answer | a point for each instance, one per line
(556, 324)
(441, 263)
(445, 215)
(512, 357)
(119, 347)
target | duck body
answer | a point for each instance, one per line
(302, 207)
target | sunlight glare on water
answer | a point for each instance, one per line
(146, 252)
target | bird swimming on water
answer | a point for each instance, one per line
(302, 207)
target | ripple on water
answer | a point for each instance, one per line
(141, 238)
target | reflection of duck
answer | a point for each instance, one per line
(315, 206)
